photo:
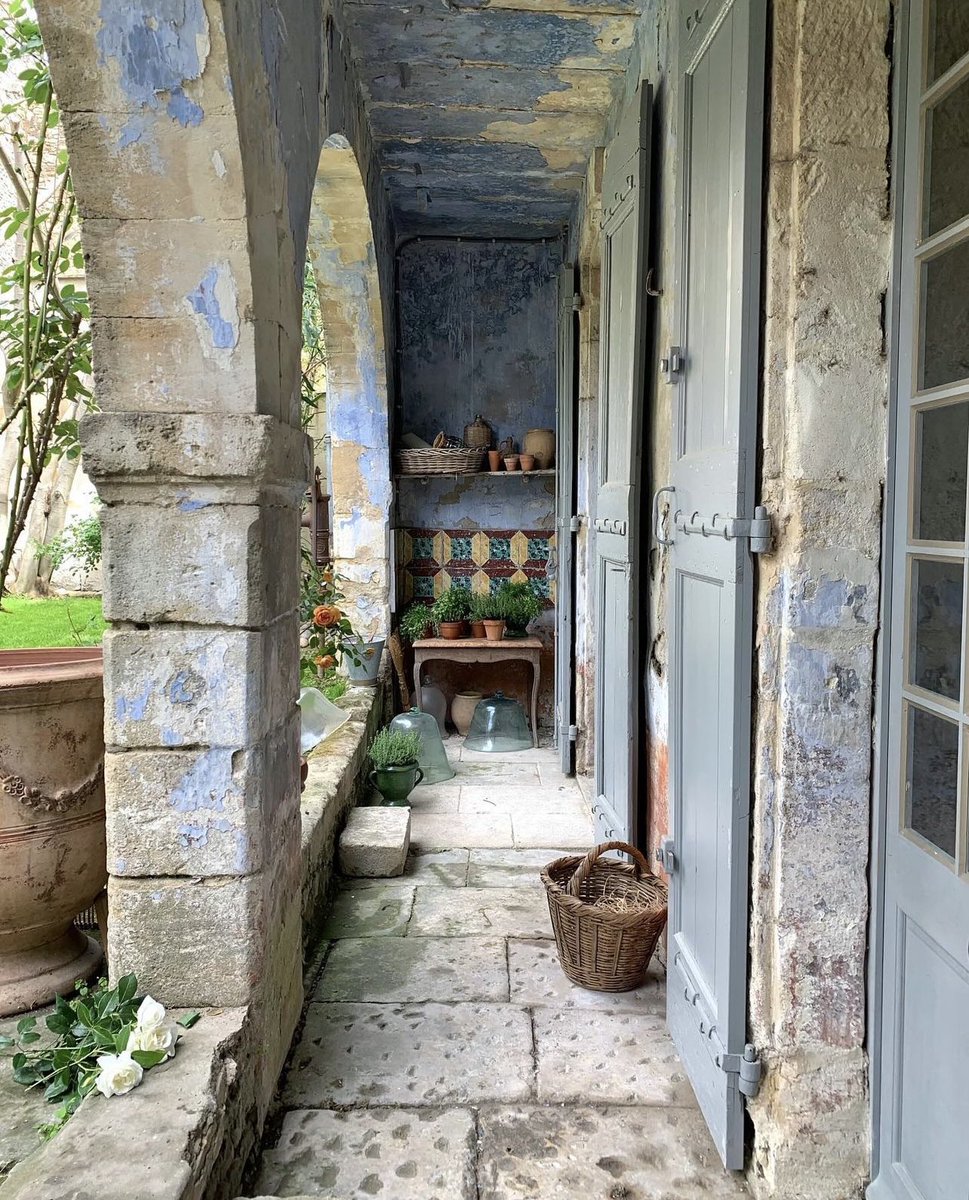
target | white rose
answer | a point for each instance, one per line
(118, 1075)
(150, 1013)
(154, 1038)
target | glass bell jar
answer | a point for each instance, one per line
(498, 725)
(432, 759)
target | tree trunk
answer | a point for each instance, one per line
(48, 516)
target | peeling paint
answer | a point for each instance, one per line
(215, 300)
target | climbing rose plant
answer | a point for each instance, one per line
(104, 1039)
(328, 632)
(44, 331)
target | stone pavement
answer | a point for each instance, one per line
(444, 1055)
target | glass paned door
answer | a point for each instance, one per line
(922, 987)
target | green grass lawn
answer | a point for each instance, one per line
(59, 621)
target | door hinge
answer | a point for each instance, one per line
(666, 855)
(671, 364)
(757, 531)
(573, 733)
(576, 301)
(747, 1066)
(575, 524)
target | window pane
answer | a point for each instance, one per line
(935, 655)
(941, 456)
(944, 352)
(932, 778)
(948, 37)
(947, 161)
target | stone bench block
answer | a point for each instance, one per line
(375, 842)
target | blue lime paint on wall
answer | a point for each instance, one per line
(206, 303)
(132, 709)
(157, 58)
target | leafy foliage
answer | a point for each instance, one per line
(485, 608)
(452, 605)
(414, 621)
(98, 1020)
(518, 604)
(394, 748)
(328, 631)
(44, 333)
(80, 541)
(312, 394)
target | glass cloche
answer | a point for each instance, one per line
(432, 759)
(498, 726)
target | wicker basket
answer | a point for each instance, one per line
(599, 948)
(441, 461)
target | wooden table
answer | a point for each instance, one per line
(477, 650)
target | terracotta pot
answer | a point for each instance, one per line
(494, 460)
(541, 444)
(494, 630)
(477, 629)
(52, 840)
(462, 710)
(511, 462)
(452, 630)
(527, 462)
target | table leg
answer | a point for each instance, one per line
(418, 664)
(536, 676)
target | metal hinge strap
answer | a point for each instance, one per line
(573, 733)
(575, 524)
(666, 855)
(576, 302)
(757, 530)
(747, 1066)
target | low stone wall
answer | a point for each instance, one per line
(189, 1130)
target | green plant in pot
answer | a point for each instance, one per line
(395, 771)
(488, 611)
(450, 612)
(479, 611)
(415, 621)
(519, 605)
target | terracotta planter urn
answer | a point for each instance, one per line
(541, 444)
(52, 836)
(462, 710)
(477, 629)
(494, 630)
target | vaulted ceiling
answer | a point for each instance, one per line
(484, 113)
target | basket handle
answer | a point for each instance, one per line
(581, 872)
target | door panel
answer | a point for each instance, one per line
(711, 575)
(922, 989)
(564, 512)
(616, 518)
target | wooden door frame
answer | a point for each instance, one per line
(566, 506)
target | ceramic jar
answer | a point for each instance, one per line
(540, 443)
(462, 710)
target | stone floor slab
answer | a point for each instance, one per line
(22, 1110)
(510, 868)
(435, 798)
(417, 1155)
(439, 868)
(612, 1058)
(504, 912)
(353, 1054)
(531, 755)
(537, 979)
(415, 969)
(573, 831)
(521, 799)
(381, 909)
(603, 1154)
(430, 831)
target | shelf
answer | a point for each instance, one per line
(474, 474)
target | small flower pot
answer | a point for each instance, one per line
(477, 629)
(367, 667)
(494, 630)
(395, 784)
(452, 630)
(511, 462)
(494, 460)
(527, 462)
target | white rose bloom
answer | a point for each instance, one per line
(154, 1038)
(118, 1075)
(150, 1013)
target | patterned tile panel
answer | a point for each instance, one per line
(432, 560)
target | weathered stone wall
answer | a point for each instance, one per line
(823, 466)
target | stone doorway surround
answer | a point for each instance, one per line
(443, 1055)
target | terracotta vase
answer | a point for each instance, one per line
(462, 710)
(494, 630)
(511, 462)
(494, 460)
(477, 629)
(541, 444)
(53, 859)
(527, 462)
(452, 630)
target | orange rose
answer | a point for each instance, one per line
(325, 661)
(325, 615)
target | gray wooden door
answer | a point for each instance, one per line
(922, 985)
(715, 372)
(618, 502)
(565, 526)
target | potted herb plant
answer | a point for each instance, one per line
(395, 771)
(492, 621)
(415, 621)
(480, 606)
(518, 605)
(450, 612)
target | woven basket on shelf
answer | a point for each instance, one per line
(441, 461)
(600, 948)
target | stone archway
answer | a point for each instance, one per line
(343, 258)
